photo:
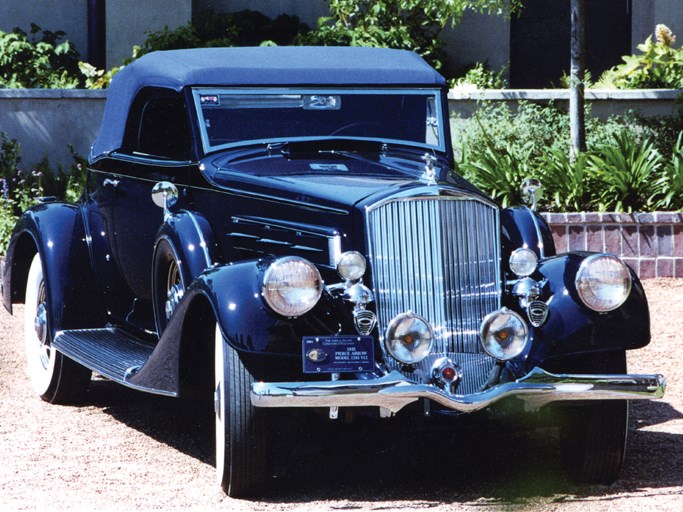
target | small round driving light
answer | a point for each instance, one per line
(523, 262)
(292, 286)
(351, 265)
(603, 282)
(409, 338)
(504, 334)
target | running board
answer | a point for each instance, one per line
(112, 353)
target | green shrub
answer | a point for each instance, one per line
(627, 173)
(532, 127)
(499, 172)
(658, 65)
(622, 170)
(569, 184)
(21, 188)
(38, 60)
(670, 183)
(211, 29)
(481, 76)
(405, 24)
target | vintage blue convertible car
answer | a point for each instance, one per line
(282, 228)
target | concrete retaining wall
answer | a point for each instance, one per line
(46, 121)
(604, 103)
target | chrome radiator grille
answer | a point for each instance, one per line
(439, 258)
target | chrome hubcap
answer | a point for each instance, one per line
(42, 331)
(41, 323)
(174, 290)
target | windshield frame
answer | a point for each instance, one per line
(434, 92)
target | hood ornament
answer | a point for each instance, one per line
(531, 192)
(429, 173)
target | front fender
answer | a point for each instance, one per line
(572, 328)
(191, 237)
(56, 231)
(522, 227)
(232, 294)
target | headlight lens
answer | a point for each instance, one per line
(351, 265)
(504, 334)
(409, 338)
(603, 282)
(523, 262)
(292, 286)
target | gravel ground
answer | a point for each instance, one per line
(124, 450)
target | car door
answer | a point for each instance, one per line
(123, 220)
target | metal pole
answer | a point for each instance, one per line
(577, 78)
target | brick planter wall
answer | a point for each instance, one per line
(651, 243)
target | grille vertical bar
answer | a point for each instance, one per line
(439, 258)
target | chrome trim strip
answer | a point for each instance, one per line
(394, 391)
(145, 159)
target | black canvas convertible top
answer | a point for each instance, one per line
(256, 66)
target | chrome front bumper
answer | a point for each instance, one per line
(393, 391)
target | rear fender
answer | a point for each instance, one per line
(56, 232)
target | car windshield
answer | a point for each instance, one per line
(234, 117)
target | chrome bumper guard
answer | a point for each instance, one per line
(393, 391)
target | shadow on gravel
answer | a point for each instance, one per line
(374, 460)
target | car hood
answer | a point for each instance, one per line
(339, 183)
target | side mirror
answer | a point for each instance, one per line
(165, 195)
(531, 192)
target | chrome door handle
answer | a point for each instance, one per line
(110, 183)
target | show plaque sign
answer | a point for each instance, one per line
(338, 354)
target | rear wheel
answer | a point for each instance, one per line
(55, 377)
(241, 435)
(594, 436)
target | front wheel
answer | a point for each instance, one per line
(55, 377)
(594, 441)
(593, 436)
(240, 428)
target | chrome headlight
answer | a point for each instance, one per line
(409, 338)
(504, 334)
(603, 282)
(351, 265)
(523, 262)
(292, 286)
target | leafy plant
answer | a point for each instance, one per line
(22, 189)
(38, 60)
(627, 171)
(569, 184)
(498, 172)
(481, 76)
(405, 24)
(670, 183)
(658, 65)
(211, 29)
